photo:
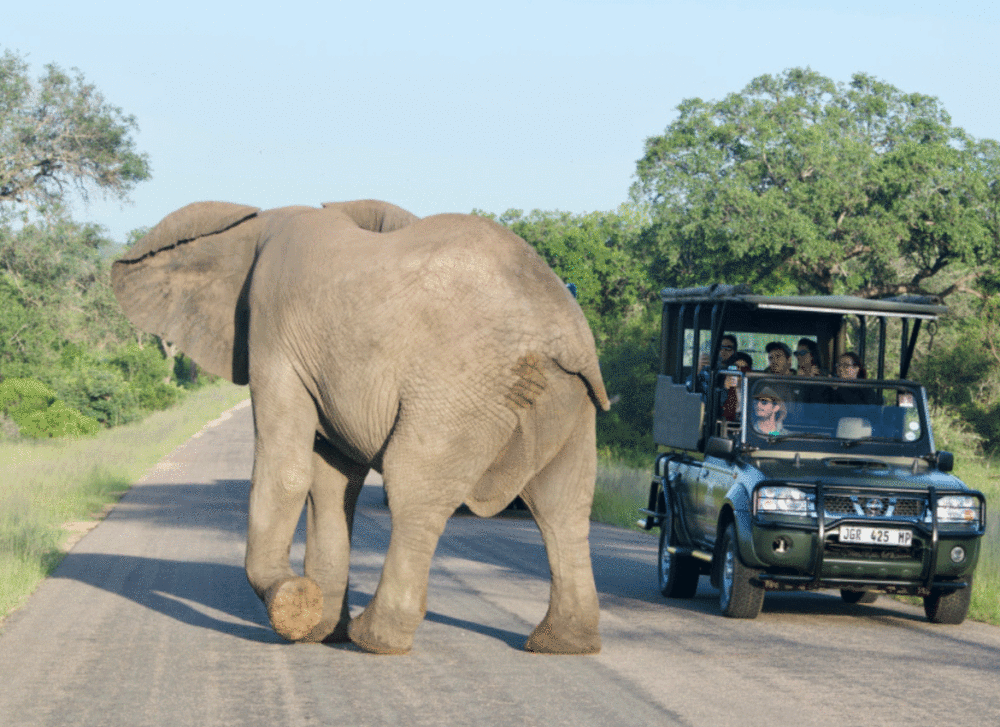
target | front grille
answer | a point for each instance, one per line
(874, 506)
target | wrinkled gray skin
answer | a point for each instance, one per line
(442, 352)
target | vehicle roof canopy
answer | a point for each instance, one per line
(742, 297)
(720, 308)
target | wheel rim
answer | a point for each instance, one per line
(664, 562)
(728, 570)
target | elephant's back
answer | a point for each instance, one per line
(505, 296)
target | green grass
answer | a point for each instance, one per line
(623, 489)
(984, 475)
(48, 483)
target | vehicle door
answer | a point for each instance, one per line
(716, 477)
(685, 489)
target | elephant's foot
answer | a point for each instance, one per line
(328, 633)
(339, 634)
(563, 638)
(295, 607)
(366, 633)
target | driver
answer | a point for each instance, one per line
(769, 412)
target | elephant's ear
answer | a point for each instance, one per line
(374, 215)
(187, 280)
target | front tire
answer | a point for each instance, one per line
(739, 597)
(678, 574)
(947, 607)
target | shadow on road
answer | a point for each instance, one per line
(205, 595)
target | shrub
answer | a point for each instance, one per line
(148, 374)
(629, 372)
(99, 392)
(39, 414)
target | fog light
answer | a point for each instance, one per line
(782, 545)
(957, 554)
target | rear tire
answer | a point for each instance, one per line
(864, 597)
(739, 598)
(678, 574)
(944, 607)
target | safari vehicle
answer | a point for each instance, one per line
(847, 491)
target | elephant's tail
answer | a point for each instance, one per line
(590, 371)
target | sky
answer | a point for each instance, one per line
(450, 107)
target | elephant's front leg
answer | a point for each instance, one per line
(337, 482)
(285, 430)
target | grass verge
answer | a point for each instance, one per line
(982, 474)
(52, 485)
(623, 489)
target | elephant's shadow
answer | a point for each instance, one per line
(208, 595)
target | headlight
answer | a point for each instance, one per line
(785, 501)
(958, 509)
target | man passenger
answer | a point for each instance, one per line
(779, 358)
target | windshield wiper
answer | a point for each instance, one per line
(848, 443)
(797, 435)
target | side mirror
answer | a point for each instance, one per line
(945, 461)
(719, 447)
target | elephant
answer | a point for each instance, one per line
(442, 352)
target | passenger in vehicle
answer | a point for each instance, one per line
(727, 347)
(779, 358)
(768, 412)
(849, 366)
(807, 357)
(731, 402)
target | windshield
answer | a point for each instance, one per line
(783, 408)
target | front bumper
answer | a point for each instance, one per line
(805, 552)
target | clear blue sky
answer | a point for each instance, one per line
(447, 107)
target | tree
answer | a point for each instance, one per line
(61, 134)
(54, 292)
(800, 184)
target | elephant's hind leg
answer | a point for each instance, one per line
(426, 480)
(337, 482)
(389, 622)
(560, 499)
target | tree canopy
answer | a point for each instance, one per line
(60, 134)
(800, 184)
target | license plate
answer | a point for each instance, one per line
(875, 536)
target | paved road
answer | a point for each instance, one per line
(150, 621)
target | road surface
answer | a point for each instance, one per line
(150, 621)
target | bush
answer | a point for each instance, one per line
(629, 372)
(99, 392)
(962, 374)
(148, 373)
(39, 414)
